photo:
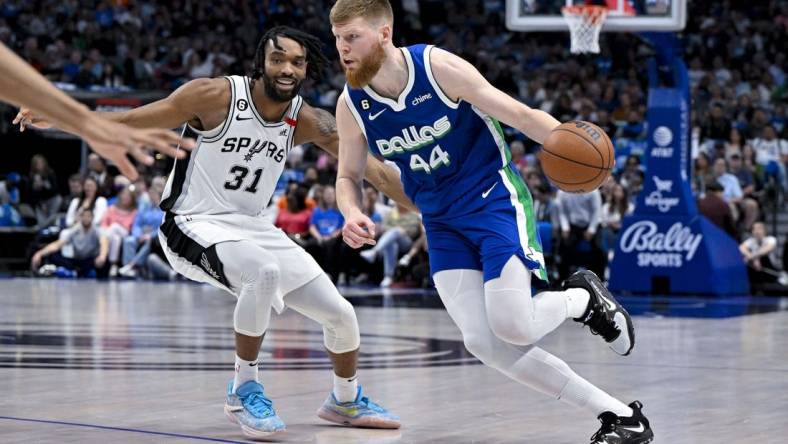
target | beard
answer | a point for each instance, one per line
(272, 91)
(367, 68)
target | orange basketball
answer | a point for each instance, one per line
(577, 157)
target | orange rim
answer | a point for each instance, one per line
(591, 13)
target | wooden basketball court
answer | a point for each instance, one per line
(134, 362)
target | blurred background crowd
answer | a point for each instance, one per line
(93, 222)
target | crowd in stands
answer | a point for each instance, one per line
(105, 226)
(737, 69)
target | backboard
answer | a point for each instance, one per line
(623, 15)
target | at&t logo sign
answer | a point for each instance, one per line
(662, 137)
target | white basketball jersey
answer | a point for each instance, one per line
(235, 167)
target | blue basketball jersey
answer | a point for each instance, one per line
(445, 150)
(456, 167)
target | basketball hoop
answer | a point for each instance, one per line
(585, 22)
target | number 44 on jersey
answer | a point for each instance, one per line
(438, 158)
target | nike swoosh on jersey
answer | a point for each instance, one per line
(486, 193)
(375, 116)
(242, 118)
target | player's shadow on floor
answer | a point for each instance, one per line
(327, 434)
(333, 433)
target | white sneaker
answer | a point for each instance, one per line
(127, 271)
(386, 282)
(368, 255)
(113, 270)
(404, 261)
(47, 270)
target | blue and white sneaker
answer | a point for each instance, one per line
(358, 413)
(252, 410)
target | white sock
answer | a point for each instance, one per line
(583, 394)
(345, 389)
(244, 371)
(576, 301)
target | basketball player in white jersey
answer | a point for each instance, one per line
(213, 230)
(435, 116)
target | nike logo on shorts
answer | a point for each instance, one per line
(486, 193)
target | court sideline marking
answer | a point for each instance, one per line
(120, 429)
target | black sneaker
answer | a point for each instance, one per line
(616, 429)
(604, 315)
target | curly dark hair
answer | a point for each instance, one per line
(316, 60)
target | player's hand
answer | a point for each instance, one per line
(114, 141)
(25, 118)
(359, 230)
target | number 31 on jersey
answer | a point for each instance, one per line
(438, 158)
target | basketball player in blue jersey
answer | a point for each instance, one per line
(435, 116)
(214, 230)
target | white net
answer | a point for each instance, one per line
(585, 23)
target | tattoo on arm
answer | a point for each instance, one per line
(326, 123)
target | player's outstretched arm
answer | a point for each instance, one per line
(320, 127)
(21, 85)
(188, 103)
(460, 80)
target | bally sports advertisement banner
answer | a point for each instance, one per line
(666, 246)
